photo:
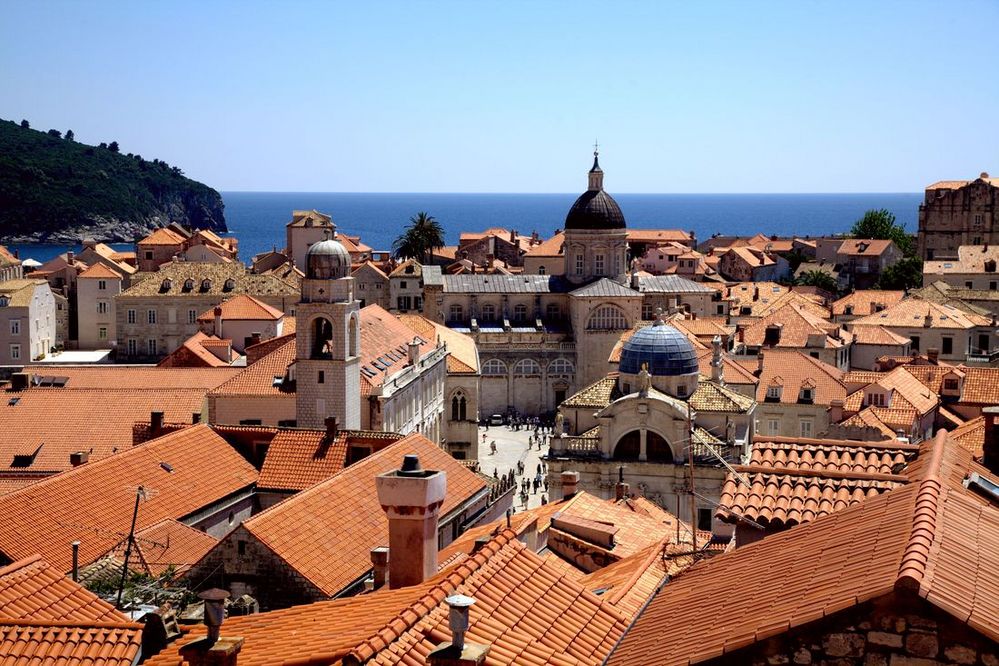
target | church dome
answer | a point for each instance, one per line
(327, 260)
(667, 351)
(595, 209)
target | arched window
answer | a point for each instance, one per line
(353, 337)
(488, 312)
(166, 284)
(527, 367)
(206, 285)
(553, 311)
(607, 318)
(520, 313)
(322, 336)
(456, 313)
(229, 285)
(542, 270)
(629, 446)
(494, 367)
(560, 366)
(458, 407)
(657, 449)
(188, 284)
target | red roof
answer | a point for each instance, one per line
(932, 539)
(24, 643)
(30, 589)
(99, 272)
(169, 544)
(181, 472)
(349, 501)
(299, 459)
(163, 236)
(243, 308)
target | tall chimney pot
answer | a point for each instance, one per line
(155, 421)
(76, 561)
(933, 355)
(379, 565)
(331, 427)
(214, 610)
(570, 480)
(218, 321)
(411, 498)
(414, 351)
(195, 418)
(457, 652)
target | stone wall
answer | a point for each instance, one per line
(896, 630)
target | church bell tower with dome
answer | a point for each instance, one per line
(328, 340)
(596, 239)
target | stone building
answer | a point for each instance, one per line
(958, 212)
(96, 289)
(28, 321)
(543, 336)
(10, 266)
(159, 311)
(659, 419)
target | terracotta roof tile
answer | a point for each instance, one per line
(866, 301)
(597, 395)
(68, 644)
(194, 352)
(99, 271)
(163, 236)
(912, 312)
(299, 459)
(971, 436)
(864, 247)
(932, 537)
(93, 503)
(244, 282)
(169, 544)
(257, 378)
(19, 293)
(349, 499)
(791, 369)
(797, 327)
(712, 397)
(981, 386)
(243, 308)
(551, 247)
(463, 357)
(30, 589)
(877, 335)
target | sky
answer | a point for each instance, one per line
(698, 97)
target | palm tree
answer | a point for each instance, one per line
(820, 279)
(423, 235)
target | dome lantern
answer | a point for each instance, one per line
(327, 260)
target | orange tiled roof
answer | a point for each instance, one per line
(134, 377)
(971, 436)
(7, 257)
(551, 247)
(795, 480)
(864, 247)
(349, 501)
(163, 236)
(101, 272)
(194, 353)
(525, 610)
(243, 308)
(463, 357)
(869, 418)
(981, 385)
(169, 544)
(24, 643)
(866, 301)
(797, 325)
(931, 538)
(298, 459)
(31, 589)
(791, 368)
(658, 236)
(912, 312)
(93, 503)
(258, 378)
(877, 335)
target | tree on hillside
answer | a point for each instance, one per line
(880, 225)
(69, 135)
(113, 146)
(423, 235)
(55, 133)
(819, 279)
(25, 124)
(904, 274)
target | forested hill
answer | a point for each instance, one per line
(53, 189)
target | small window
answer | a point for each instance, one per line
(15, 352)
(188, 284)
(102, 333)
(15, 327)
(151, 347)
(133, 347)
(102, 285)
(131, 316)
(950, 384)
(915, 342)
(240, 547)
(102, 307)
(231, 518)
(321, 379)
(456, 313)
(774, 392)
(773, 426)
(579, 264)
(704, 520)
(229, 285)
(403, 284)
(149, 255)
(805, 427)
(967, 284)
(681, 390)
(192, 316)
(541, 270)
(947, 346)
(520, 313)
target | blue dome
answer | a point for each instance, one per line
(667, 351)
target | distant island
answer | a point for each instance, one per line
(55, 190)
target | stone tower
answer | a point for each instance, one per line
(596, 240)
(328, 340)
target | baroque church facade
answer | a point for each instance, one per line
(543, 337)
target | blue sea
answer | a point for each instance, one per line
(258, 218)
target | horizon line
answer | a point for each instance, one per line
(559, 193)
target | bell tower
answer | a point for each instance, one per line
(328, 341)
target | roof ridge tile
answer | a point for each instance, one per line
(915, 557)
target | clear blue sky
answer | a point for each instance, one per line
(509, 96)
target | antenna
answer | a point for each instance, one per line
(140, 494)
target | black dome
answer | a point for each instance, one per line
(595, 210)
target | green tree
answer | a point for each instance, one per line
(423, 235)
(819, 279)
(25, 124)
(880, 225)
(54, 132)
(113, 146)
(904, 274)
(69, 135)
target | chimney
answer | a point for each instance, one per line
(78, 458)
(20, 381)
(756, 293)
(835, 410)
(379, 566)
(772, 335)
(195, 418)
(76, 561)
(458, 652)
(155, 421)
(759, 364)
(218, 321)
(933, 354)
(411, 498)
(414, 352)
(254, 339)
(570, 480)
(331, 429)
(717, 365)
(990, 449)
(69, 257)
(214, 649)
(928, 319)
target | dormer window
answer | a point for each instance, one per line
(848, 310)
(229, 285)
(774, 393)
(188, 284)
(806, 395)
(206, 285)
(950, 384)
(990, 266)
(4, 301)
(166, 284)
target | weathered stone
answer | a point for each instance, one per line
(803, 656)
(960, 654)
(921, 622)
(777, 659)
(839, 661)
(922, 645)
(844, 645)
(885, 639)
(876, 659)
(902, 660)
(864, 626)
(900, 625)
(989, 659)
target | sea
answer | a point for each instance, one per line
(257, 219)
